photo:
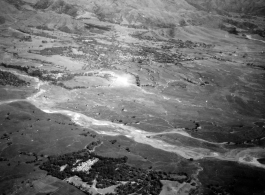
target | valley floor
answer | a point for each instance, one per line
(191, 104)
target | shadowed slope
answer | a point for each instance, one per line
(256, 7)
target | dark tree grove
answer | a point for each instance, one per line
(110, 171)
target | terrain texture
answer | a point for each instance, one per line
(132, 97)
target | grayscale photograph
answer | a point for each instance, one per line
(132, 97)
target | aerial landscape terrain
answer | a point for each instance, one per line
(132, 97)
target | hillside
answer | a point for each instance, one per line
(252, 7)
(134, 12)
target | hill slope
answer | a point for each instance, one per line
(256, 7)
(132, 12)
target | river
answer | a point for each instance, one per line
(247, 156)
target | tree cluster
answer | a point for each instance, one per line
(111, 171)
(26, 38)
(7, 78)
